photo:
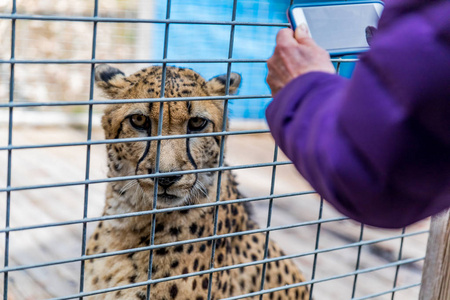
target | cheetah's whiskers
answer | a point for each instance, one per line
(200, 188)
(128, 186)
(197, 191)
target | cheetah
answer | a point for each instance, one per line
(183, 154)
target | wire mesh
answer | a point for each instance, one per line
(373, 251)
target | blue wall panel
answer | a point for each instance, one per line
(212, 42)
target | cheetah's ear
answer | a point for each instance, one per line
(217, 85)
(110, 80)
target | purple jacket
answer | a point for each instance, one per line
(377, 146)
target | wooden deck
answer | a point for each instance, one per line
(66, 164)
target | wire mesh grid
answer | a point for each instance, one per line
(324, 279)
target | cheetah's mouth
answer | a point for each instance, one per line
(167, 196)
(175, 196)
(166, 200)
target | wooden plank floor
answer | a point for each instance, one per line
(66, 164)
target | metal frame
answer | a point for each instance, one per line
(10, 148)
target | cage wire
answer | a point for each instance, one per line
(52, 148)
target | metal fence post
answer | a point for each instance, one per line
(436, 270)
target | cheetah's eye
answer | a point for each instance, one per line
(197, 124)
(140, 122)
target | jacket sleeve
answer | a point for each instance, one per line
(377, 146)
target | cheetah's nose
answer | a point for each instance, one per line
(167, 181)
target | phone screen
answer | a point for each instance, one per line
(340, 26)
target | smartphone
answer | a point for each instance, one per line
(342, 28)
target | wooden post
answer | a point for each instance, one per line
(436, 270)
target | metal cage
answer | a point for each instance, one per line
(376, 264)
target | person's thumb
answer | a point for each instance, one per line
(301, 32)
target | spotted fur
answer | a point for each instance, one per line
(133, 120)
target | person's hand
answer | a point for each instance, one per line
(295, 54)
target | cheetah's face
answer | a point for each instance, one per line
(140, 120)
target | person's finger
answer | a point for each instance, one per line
(370, 32)
(301, 34)
(284, 35)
